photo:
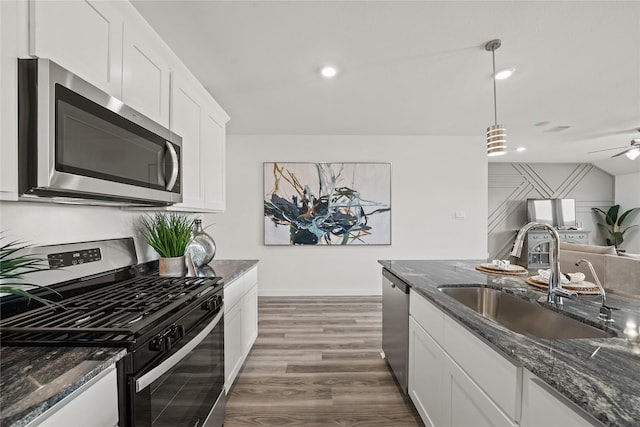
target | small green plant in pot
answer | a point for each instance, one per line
(614, 223)
(168, 234)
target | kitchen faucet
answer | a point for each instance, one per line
(605, 311)
(555, 292)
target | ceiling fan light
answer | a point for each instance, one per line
(633, 153)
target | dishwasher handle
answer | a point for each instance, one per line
(396, 282)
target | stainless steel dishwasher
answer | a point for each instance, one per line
(395, 326)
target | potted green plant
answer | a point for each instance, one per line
(13, 268)
(168, 234)
(614, 223)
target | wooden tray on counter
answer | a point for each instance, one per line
(584, 287)
(512, 270)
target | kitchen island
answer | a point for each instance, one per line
(601, 376)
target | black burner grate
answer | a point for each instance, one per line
(113, 314)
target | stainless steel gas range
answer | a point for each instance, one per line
(172, 329)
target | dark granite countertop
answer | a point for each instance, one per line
(231, 269)
(600, 375)
(33, 379)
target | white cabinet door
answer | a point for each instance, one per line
(186, 119)
(145, 72)
(94, 404)
(201, 123)
(465, 403)
(213, 161)
(249, 319)
(232, 344)
(84, 36)
(544, 407)
(426, 361)
(11, 28)
(498, 377)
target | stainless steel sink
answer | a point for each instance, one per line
(522, 316)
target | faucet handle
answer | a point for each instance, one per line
(562, 292)
(605, 313)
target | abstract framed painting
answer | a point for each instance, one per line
(327, 203)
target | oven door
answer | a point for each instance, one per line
(186, 387)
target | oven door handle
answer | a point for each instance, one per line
(145, 380)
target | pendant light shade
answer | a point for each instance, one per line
(496, 140)
(496, 134)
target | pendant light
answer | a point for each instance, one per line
(496, 134)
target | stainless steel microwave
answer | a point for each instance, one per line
(78, 144)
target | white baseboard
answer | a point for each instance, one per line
(318, 292)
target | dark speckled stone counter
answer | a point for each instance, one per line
(33, 379)
(231, 269)
(600, 375)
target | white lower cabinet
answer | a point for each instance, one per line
(545, 407)
(240, 323)
(94, 404)
(442, 392)
(249, 318)
(456, 380)
(465, 403)
(426, 363)
(232, 344)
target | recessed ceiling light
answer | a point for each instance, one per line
(328, 71)
(504, 74)
(521, 148)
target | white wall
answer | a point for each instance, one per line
(48, 223)
(431, 178)
(627, 195)
(511, 184)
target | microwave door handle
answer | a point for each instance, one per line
(175, 166)
(145, 380)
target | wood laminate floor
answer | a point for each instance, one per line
(317, 362)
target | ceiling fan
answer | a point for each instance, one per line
(632, 151)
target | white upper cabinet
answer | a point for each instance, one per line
(146, 77)
(213, 159)
(200, 121)
(110, 45)
(186, 121)
(83, 36)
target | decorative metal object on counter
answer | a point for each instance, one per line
(199, 252)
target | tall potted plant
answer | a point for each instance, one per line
(614, 223)
(168, 234)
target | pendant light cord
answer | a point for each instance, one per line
(495, 102)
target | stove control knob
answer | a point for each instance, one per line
(164, 341)
(160, 343)
(177, 332)
(212, 304)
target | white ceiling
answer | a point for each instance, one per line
(420, 68)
